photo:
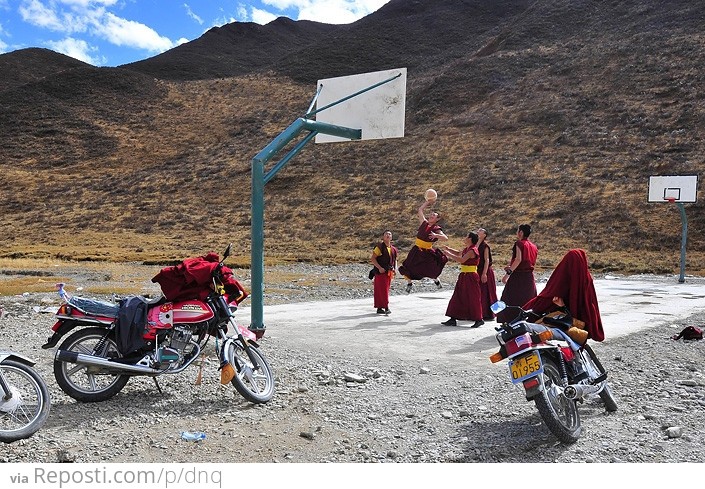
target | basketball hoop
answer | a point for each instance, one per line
(671, 200)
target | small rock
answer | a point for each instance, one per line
(64, 456)
(674, 432)
(307, 434)
(689, 382)
(354, 378)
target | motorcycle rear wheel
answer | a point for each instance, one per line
(558, 412)
(85, 383)
(27, 410)
(606, 393)
(255, 385)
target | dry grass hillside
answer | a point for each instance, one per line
(551, 112)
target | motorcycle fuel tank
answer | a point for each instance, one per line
(193, 311)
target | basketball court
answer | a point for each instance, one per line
(413, 330)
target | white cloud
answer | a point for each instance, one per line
(262, 16)
(336, 11)
(76, 48)
(123, 32)
(285, 4)
(89, 3)
(79, 16)
(221, 21)
(242, 12)
(326, 11)
(190, 13)
(36, 13)
(4, 47)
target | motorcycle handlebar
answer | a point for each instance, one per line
(524, 314)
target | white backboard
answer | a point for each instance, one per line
(379, 112)
(681, 188)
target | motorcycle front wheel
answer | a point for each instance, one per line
(254, 384)
(558, 412)
(26, 410)
(87, 383)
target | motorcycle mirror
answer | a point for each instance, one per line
(498, 307)
(226, 253)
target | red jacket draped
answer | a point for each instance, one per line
(571, 280)
(191, 279)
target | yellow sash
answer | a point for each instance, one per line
(468, 268)
(425, 245)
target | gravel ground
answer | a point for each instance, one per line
(393, 412)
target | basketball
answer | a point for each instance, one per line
(431, 194)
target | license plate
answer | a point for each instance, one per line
(527, 366)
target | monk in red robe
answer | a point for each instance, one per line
(423, 259)
(520, 284)
(465, 302)
(384, 259)
(488, 282)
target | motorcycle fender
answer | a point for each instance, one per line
(60, 329)
(8, 355)
(532, 387)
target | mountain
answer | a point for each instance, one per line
(552, 112)
(233, 50)
(28, 65)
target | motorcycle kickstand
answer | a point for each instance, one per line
(157, 385)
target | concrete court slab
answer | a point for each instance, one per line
(413, 330)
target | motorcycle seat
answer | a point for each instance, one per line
(95, 307)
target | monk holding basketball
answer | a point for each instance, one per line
(423, 259)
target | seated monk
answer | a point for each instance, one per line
(570, 289)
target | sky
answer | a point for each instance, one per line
(116, 32)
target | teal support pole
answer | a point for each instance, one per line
(282, 163)
(684, 239)
(259, 180)
(257, 243)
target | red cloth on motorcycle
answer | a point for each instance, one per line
(191, 279)
(571, 280)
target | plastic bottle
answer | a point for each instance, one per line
(193, 435)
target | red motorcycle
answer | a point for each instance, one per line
(94, 363)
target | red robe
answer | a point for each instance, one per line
(422, 262)
(191, 279)
(465, 303)
(521, 285)
(488, 289)
(571, 280)
(382, 282)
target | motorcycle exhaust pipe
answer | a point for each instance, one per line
(578, 391)
(93, 361)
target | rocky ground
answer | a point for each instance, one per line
(394, 411)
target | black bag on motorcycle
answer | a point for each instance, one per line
(131, 323)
